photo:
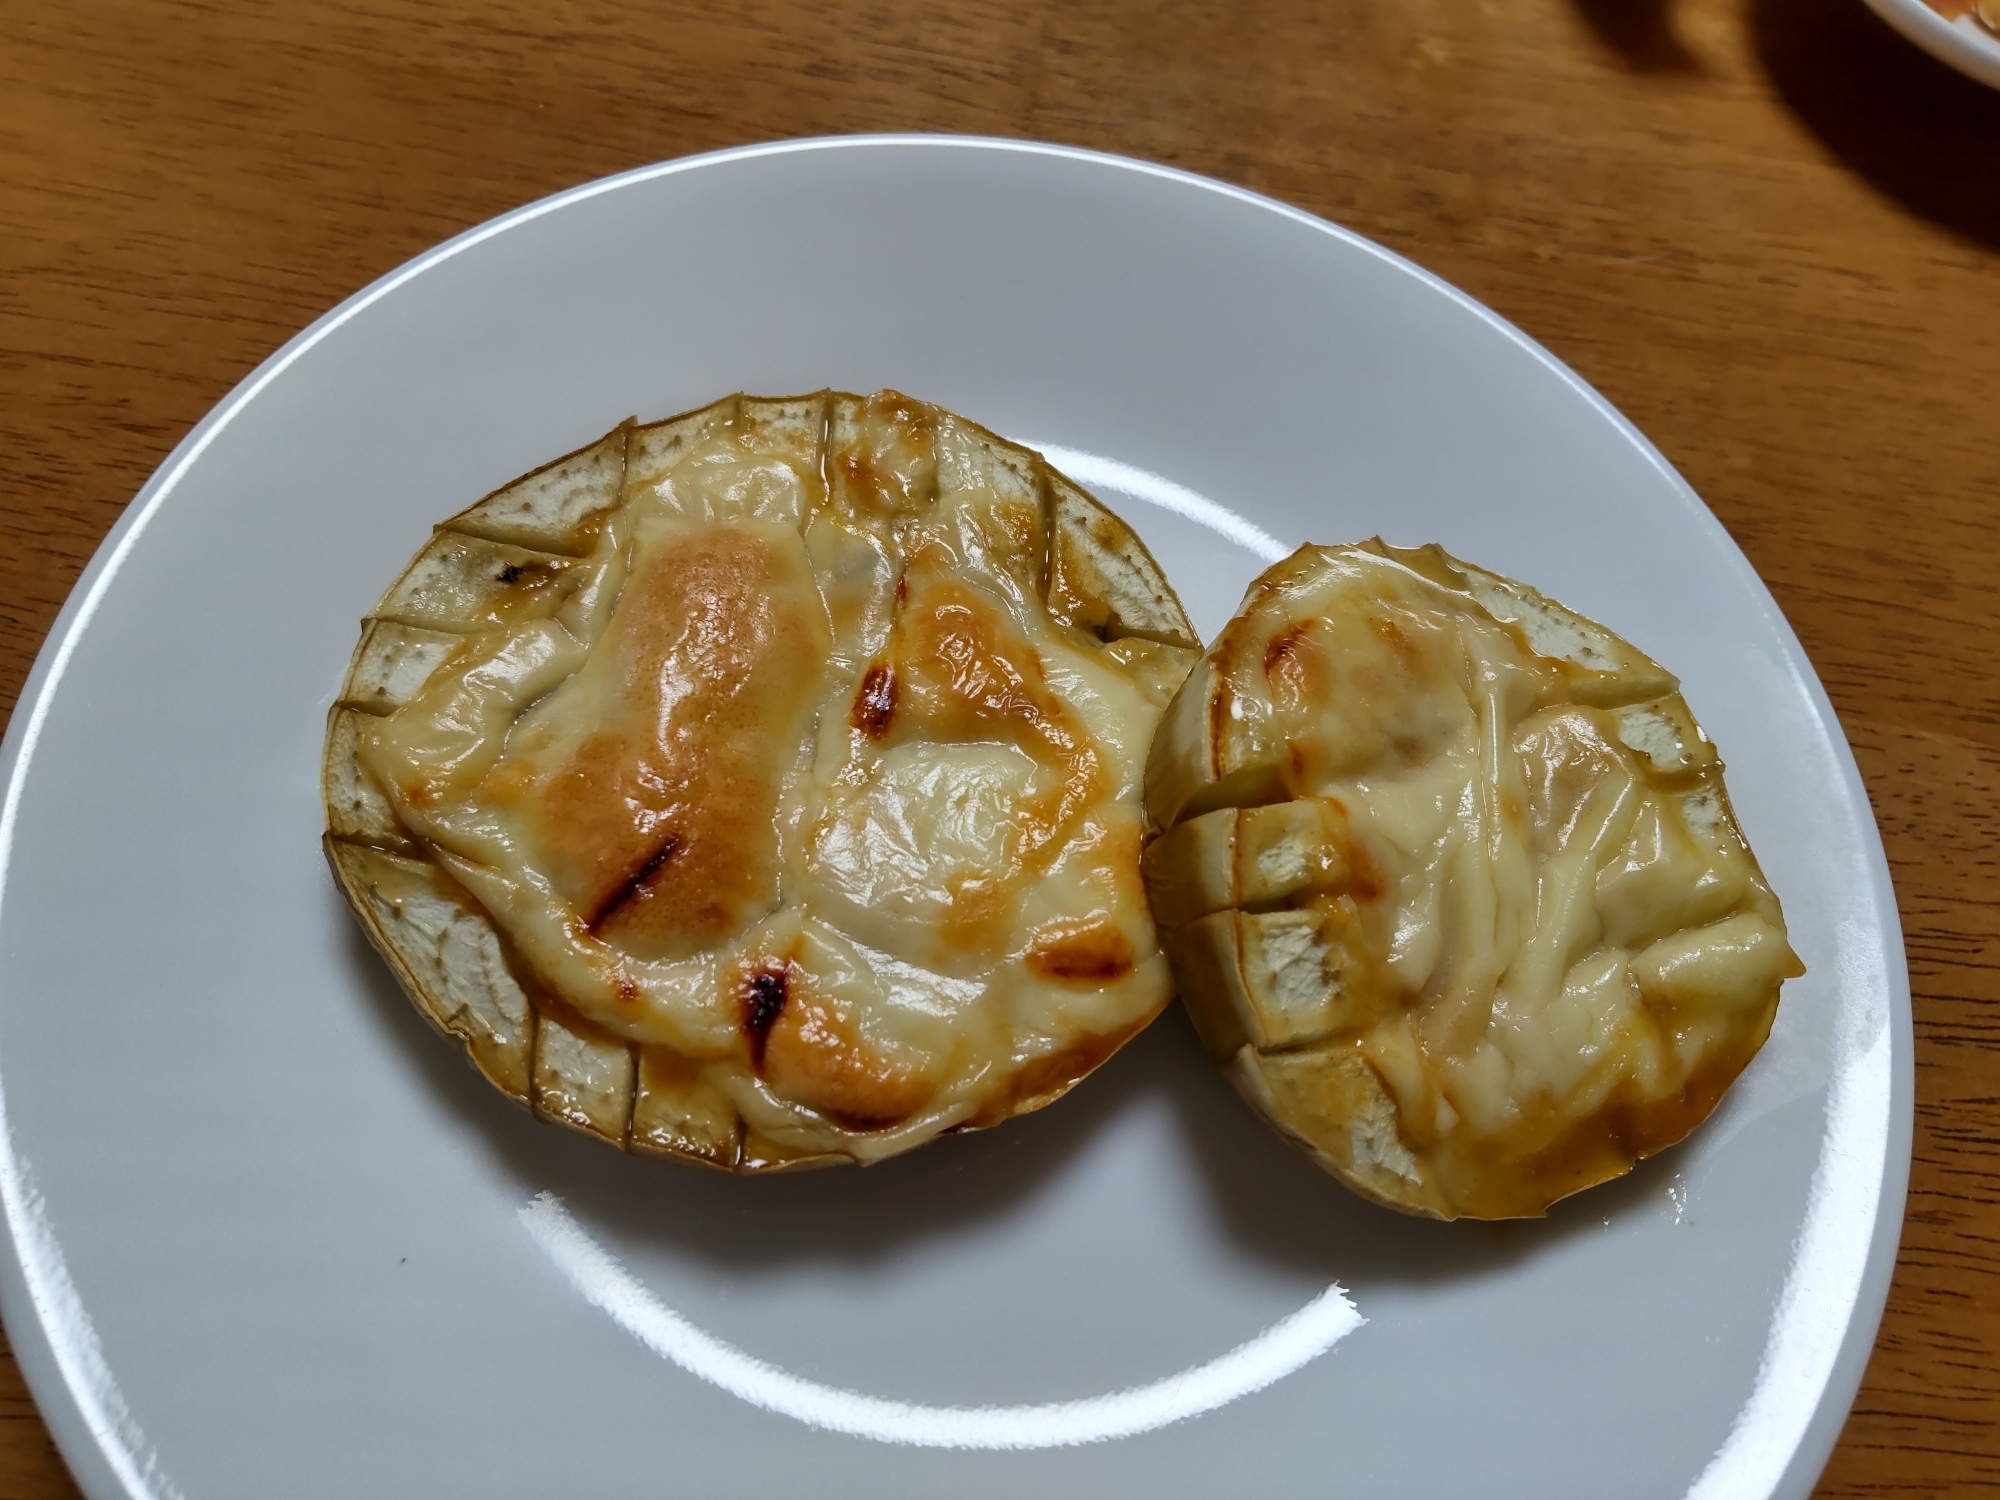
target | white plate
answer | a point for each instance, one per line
(1964, 43)
(271, 1237)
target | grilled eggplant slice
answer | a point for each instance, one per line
(761, 787)
(1451, 885)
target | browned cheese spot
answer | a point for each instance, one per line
(1095, 952)
(857, 471)
(979, 918)
(971, 677)
(1363, 880)
(424, 792)
(1295, 666)
(811, 1052)
(875, 704)
(1358, 875)
(888, 464)
(1386, 629)
(1014, 530)
(661, 825)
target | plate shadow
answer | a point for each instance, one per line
(1263, 1194)
(1914, 129)
(1641, 32)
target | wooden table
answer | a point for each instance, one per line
(1768, 230)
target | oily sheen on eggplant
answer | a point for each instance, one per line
(1451, 885)
(761, 786)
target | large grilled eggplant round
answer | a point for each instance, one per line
(762, 786)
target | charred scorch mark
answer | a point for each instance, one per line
(763, 1002)
(1099, 954)
(1283, 647)
(633, 885)
(875, 704)
(515, 572)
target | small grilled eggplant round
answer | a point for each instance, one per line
(1451, 885)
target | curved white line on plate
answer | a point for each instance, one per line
(1275, 1353)
(74, 1338)
(1092, 469)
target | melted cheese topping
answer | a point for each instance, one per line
(1491, 934)
(796, 782)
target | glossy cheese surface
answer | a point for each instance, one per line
(789, 795)
(1452, 885)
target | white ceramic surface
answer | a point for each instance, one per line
(1964, 43)
(269, 1236)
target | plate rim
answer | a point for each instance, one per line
(86, 1430)
(1968, 52)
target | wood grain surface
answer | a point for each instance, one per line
(1768, 230)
